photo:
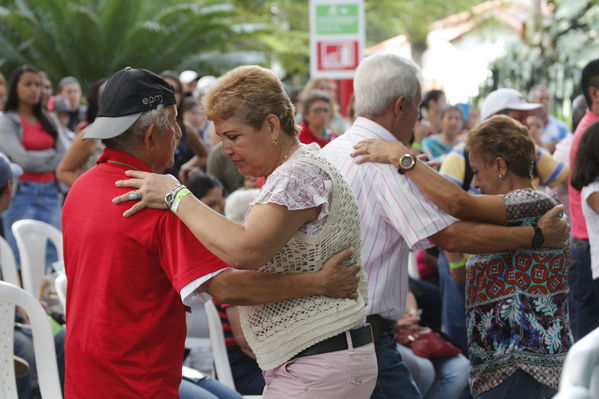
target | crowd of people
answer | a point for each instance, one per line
(299, 222)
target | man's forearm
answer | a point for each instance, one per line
(480, 238)
(244, 287)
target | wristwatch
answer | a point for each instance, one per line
(406, 162)
(538, 239)
(170, 197)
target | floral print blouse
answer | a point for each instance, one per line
(516, 305)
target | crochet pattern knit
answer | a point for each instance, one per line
(278, 331)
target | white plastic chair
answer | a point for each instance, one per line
(580, 374)
(61, 289)
(219, 349)
(198, 341)
(8, 264)
(43, 343)
(32, 238)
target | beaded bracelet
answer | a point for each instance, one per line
(457, 264)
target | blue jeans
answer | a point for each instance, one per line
(39, 201)
(23, 347)
(583, 298)
(437, 378)
(453, 306)
(519, 385)
(246, 372)
(394, 379)
(206, 388)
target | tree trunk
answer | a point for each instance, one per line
(418, 48)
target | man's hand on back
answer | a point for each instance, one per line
(336, 279)
(555, 227)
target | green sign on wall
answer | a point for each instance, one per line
(337, 19)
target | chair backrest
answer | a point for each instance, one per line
(580, 374)
(43, 343)
(32, 238)
(61, 289)
(219, 349)
(8, 265)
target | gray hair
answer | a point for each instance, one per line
(536, 88)
(381, 79)
(132, 136)
(238, 204)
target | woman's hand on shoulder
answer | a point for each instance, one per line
(149, 190)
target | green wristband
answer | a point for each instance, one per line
(417, 146)
(180, 195)
(458, 264)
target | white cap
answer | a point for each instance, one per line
(204, 84)
(188, 76)
(504, 99)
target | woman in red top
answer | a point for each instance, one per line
(318, 109)
(30, 137)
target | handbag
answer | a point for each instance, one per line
(427, 343)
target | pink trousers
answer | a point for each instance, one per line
(347, 374)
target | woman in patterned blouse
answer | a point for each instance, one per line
(517, 317)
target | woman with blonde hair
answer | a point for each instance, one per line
(516, 301)
(313, 347)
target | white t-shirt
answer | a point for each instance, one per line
(592, 219)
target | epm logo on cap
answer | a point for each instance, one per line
(157, 98)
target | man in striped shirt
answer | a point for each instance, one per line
(395, 214)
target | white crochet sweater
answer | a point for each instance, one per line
(278, 331)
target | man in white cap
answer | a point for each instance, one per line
(512, 103)
(130, 279)
(509, 102)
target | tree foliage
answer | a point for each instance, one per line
(90, 39)
(387, 18)
(553, 54)
(93, 38)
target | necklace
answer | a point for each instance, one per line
(124, 164)
(288, 153)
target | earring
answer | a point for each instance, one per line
(500, 176)
(274, 141)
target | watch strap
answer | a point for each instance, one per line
(538, 239)
(170, 197)
(180, 195)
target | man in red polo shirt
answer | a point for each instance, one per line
(129, 278)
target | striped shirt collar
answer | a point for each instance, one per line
(374, 128)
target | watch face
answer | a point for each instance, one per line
(407, 161)
(169, 199)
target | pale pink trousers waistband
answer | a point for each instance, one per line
(347, 374)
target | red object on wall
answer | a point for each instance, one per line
(344, 93)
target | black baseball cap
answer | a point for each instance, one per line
(128, 93)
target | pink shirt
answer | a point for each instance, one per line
(394, 217)
(579, 227)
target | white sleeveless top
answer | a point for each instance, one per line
(592, 219)
(278, 331)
